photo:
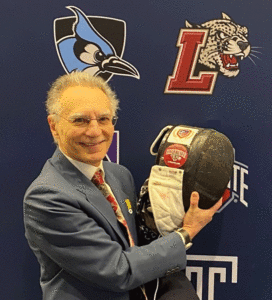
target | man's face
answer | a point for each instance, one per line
(88, 143)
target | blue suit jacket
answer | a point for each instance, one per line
(82, 251)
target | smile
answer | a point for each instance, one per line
(92, 144)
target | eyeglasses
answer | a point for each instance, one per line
(83, 121)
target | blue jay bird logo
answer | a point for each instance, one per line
(92, 44)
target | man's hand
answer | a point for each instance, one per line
(195, 219)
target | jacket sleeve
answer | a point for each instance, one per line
(75, 241)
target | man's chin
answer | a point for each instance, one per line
(93, 160)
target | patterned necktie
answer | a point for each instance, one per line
(98, 180)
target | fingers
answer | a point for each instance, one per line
(217, 205)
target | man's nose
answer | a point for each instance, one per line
(93, 128)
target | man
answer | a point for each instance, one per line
(86, 248)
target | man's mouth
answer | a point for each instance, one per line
(93, 144)
(229, 61)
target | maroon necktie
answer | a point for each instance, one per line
(98, 180)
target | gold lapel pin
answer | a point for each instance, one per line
(129, 207)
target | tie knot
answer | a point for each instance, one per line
(98, 178)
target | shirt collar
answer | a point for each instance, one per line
(87, 169)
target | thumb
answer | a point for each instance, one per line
(194, 200)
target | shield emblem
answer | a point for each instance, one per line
(106, 35)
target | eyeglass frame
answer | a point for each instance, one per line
(113, 120)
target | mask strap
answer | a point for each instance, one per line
(158, 137)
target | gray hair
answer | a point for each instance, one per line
(84, 79)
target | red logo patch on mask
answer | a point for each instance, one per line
(175, 156)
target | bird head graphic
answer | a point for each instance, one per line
(82, 47)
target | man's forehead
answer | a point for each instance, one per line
(85, 99)
(82, 91)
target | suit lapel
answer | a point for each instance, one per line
(85, 186)
(96, 198)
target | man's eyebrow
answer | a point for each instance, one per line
(78, 115)
(83, 115)
(104, 115)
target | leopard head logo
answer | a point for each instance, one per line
(227, 44)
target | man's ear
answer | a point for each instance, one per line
(52, 125)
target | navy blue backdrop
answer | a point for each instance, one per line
(231, 258)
